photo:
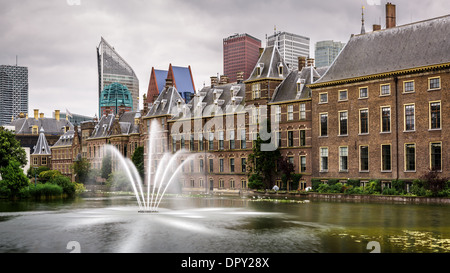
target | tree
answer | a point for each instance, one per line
(81, 168)
(138, 160)
(10, 149)
(263, 163)
(106, 166)
(13, 178)
(287, 169)
(433, 182)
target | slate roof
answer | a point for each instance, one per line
(287, 90)
(41, 147)
(127, 124)
(166, 103)
(413, 45)
(51, 126)
(269, 61)
(65, 140)
(219, 99)
(103, 127)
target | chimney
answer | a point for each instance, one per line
(261, 50)
(36, 114)
(376, 27)
(223, 79)
(240, 77)
(57, 115)
(310, 61)
(390, 15)
(41, 115)
(214, 81)
(169, 82)
(301, 62)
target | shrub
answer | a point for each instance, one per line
(255, 182)
(323, 188)
(65, 183)
(390, 191)
(46, 176)
(372, 188)
(354, 190)
(45, 190)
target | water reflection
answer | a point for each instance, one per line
(214, 224)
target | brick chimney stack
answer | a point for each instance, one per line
(376, 27)
(390, 15)
(301, 62)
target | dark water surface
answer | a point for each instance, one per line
(222, 225)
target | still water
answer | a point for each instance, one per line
(222, 225)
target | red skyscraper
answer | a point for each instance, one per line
(240, 54)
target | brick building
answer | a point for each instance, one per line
(379, 111)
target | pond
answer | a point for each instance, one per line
(222, 225)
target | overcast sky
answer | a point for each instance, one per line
(57, 39)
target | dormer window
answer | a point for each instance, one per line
(259, 69)
(280, 69)
(300, 84)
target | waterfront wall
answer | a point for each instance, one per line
(362, 198)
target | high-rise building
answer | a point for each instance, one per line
(13, 92)
(326, 52)
(240, 54)
(112, 68)
(291, 46)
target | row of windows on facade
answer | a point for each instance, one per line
(241, 143)
(385, 119)
(434, 83)
(189, 167)
(201, 184)
(435, 157)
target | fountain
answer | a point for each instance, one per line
(164, 173)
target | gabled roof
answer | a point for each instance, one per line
(287, 89)
(42, 147)
(415, 45)
(182, 78)
(65, 140)
(103, 127)
(167, 103)
(220, 99)
(268, 64)
(51, 126)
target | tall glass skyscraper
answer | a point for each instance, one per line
(112, 68)
(326, 52)
(291, 46)
(13, 92)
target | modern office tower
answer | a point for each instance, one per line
(240, 54)
(326, 52)
(113, 68)
(291, 46)
(13, 92)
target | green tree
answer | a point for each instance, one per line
(106, 166)
(81, 169)
(138, 160)
(13, 178)
(10, 149)
(32, 172)
(263, 162)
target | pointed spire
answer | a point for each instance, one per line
(363, 29)
(42, 147)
